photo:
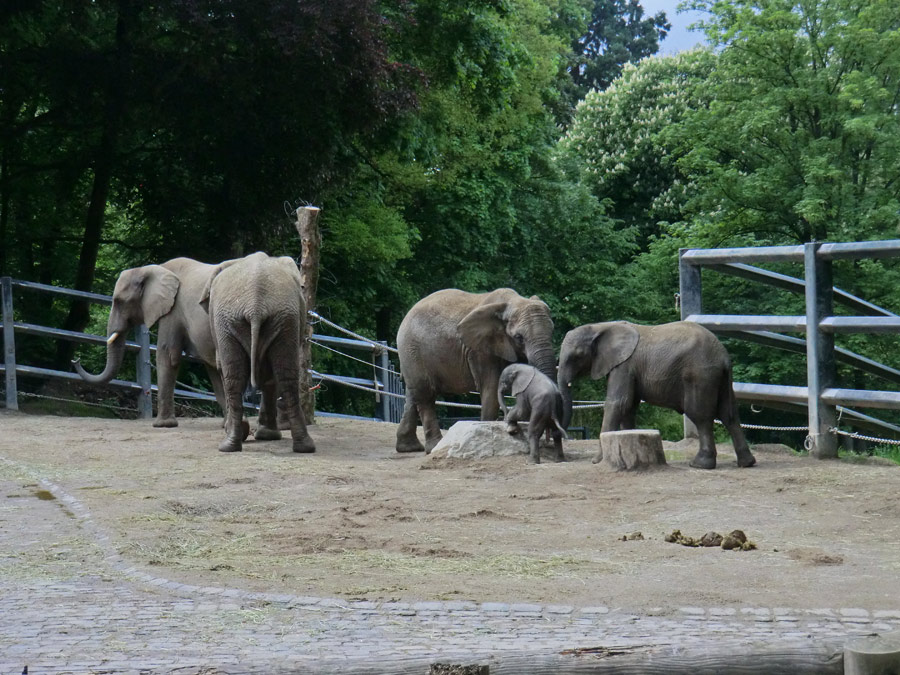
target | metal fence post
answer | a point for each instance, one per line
(690, 289)
(144, 377)
(9, 344)
(384, 381)
(820, 364)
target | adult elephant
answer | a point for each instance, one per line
(169, 294)
(454, 342)
(257, 316)
(678, 365)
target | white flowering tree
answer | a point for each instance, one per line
(621, 138)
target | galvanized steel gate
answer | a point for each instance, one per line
(821, 396)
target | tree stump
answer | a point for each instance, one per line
(873, 655)
(631, 450)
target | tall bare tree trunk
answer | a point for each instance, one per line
(311, 240)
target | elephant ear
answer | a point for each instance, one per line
(484, 330)
(207, 287)
(613, 344)
(160, 288)
(523, 380)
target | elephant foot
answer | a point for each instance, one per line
(703, 461)
(746, 460)
(560, 457)
(430, 443)
(266, 434)
(230, 445)
(531, 459)
(304, 445)
(245, 429)
(413, 445)
(165, 422)
(597, 458)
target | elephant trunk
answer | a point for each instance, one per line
(544, 360)
(565, 391)
(115, 352)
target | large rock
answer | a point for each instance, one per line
(475, 440)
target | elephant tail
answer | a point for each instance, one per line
(255, 350)
(561, 428)
(727, 399)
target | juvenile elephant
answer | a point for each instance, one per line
(454, 342)
(170, 294)
(538, 401)
(678, 365)
(257, 314)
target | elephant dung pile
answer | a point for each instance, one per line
(736, 540)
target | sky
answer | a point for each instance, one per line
(679, 38)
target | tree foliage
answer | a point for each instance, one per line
(618, 33)
(801, 139)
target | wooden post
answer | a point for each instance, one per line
(311, 240)
(144, 376)
(9, 344)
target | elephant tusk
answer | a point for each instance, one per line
(112, 337)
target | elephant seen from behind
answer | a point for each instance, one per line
(257, 317)
(679, 365)
(538, 402)
(454, 342)
(169, 294)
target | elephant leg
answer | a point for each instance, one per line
(235, 374)
(406, 430)
(706, 455)
(490, 406)
(282, 416)
(621, 404)
(732, 422)
(267, 425)
(219, 391)
(557, 445)
(285, 366)
(615, 412)
(534, 443)
(428, 414)
(168, 358)
(512, 420)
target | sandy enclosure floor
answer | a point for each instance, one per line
(357, 520)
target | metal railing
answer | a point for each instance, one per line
(821, 396)
(387, 388)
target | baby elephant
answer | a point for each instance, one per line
(538, 401)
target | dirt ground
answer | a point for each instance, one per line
(358, 520)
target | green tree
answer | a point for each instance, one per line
(194, 120)
(621, 138)
(801, 139)
(618, 33)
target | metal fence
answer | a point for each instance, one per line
(385, 383)
(822, 398)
